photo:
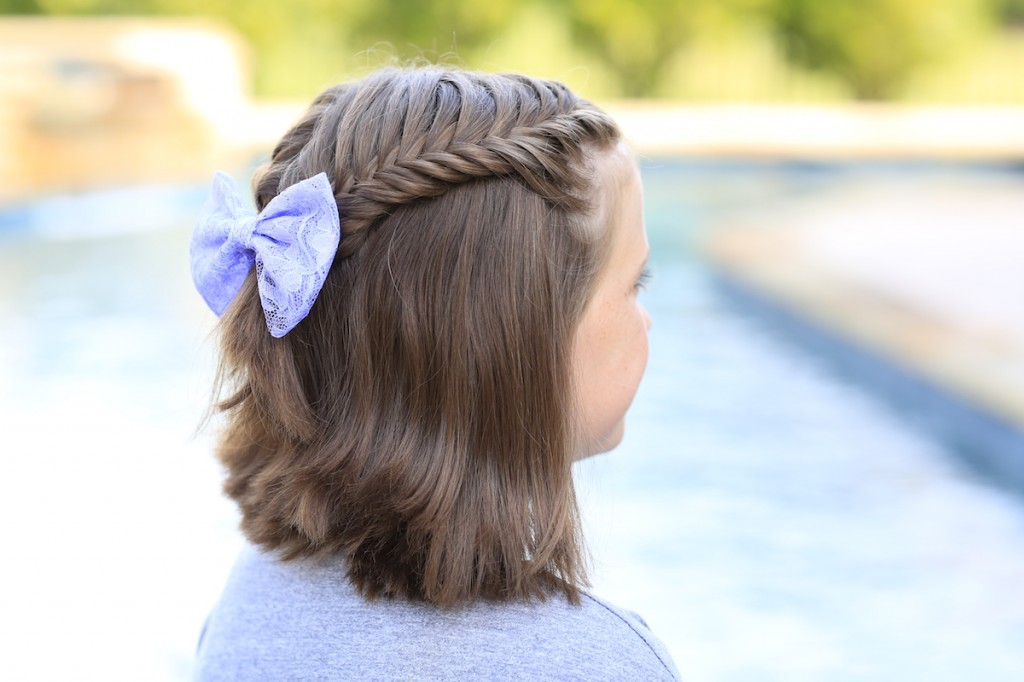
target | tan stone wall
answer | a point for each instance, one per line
(95, 102)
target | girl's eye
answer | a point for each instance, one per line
(644, 279)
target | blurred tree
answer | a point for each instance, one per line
(97, 6)
(638, 39)
(19, 7)
(414, 29)
(1010, 12)
(874, 45)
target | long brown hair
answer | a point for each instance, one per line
(419, 422)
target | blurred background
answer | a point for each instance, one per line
(823, 472)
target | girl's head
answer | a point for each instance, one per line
(477, 332)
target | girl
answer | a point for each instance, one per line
(433, 315)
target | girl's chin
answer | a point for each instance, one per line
(603, 443)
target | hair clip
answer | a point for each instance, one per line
(291, 243)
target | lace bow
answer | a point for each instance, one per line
(292, 243)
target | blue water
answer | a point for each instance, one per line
(769, 520)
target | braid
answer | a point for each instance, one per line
(389, 141)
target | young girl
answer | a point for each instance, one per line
(434, 314)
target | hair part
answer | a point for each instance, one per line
(419, 423)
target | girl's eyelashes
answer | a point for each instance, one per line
(644, 279)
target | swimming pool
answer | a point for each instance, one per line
(767, 519)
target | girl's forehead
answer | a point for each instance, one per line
(619, 165)
(616, 172)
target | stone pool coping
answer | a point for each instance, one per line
(847, 131)
(915, 291)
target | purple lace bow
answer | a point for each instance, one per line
(292, 243)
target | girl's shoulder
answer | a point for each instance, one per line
(304, 620)
(617, 618)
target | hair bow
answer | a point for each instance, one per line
(291, 242)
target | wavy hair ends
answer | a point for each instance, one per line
(419, 423)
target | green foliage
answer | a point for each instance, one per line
(19, 7)
(415, 28)
(875, 46)
(635, 38)
(873, 49)
(94, 7)
(1010, 12)
(639, 39)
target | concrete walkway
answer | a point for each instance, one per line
(928, 278)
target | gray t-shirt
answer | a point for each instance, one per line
(303, 620)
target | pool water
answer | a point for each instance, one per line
(769, 520)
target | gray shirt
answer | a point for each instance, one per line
(303, 620)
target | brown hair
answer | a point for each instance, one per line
(419, 422)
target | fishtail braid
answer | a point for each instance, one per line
(388, 141)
